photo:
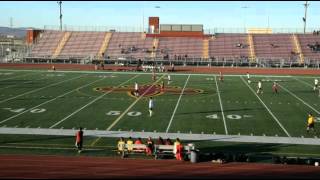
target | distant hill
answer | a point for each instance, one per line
(17, 32)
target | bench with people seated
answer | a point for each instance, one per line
(161, 151)
(133, 149)
(128, 147)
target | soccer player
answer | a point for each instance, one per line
(315, 84)
(153, 74)
(169, 79)
(136, 89)
(275, 87)
(310, 123)
(221, 77)
(162, 86)
(151, 105)
(259, 91)
(248, 77)
(79, 139)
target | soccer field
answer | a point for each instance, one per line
(190, 103)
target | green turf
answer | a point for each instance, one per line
(29, 99)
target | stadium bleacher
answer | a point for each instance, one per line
(286, 47)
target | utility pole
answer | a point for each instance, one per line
(11, 22)
(305, 16)
(60, 2)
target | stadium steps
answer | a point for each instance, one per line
(155, 44)
(105, 43)
(298, 48)
(252, 54)
(205, 50)
(61, 44)
(143, 36)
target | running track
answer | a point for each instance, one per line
(36, 166)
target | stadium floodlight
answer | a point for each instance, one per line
(60, 2)
(304, 19)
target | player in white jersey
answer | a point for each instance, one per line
(136, 89)
(151, 105)
(248, 78)
(169, 79)
(315, 84)
(259, 87)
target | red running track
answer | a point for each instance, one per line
(39, 166)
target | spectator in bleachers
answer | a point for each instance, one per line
(160, 141)
(121, 144)
(168, 141)
(178, 149)
(138, 141)
(150, 145)
(129, 144)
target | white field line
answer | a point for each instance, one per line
(46, 102)
(274, 117)
(119, 118)
(224, 120)
(125, 112)
(18, 76)
(303, 82)
(182, 74)
(99, 97)
(21, 83)
(178, 102)
(38, 89)
(299, 99)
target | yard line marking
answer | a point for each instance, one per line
(274, 117)
(38, 89)
(223, 117)
(140, 97)
(178, 102)
(125, 112)
(46, 102)
(303, 82)
(18, 76)
(21, 83)
(99, 97)
(299, 99)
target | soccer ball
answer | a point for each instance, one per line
(316, 164)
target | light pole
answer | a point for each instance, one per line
(244, 18)
(305, 16)
(60, 2)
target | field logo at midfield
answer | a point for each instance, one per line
(154, 90)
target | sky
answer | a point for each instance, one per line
(134, 14)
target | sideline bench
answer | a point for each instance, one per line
(133, 149)
(161, 151)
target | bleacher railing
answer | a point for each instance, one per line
(140, 29)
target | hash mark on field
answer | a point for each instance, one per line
(274, 117)
(175, 109)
